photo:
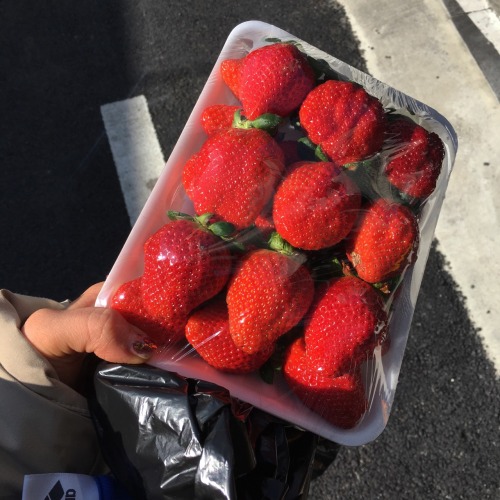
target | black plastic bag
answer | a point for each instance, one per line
(168, 437)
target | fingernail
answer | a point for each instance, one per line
(144, 348)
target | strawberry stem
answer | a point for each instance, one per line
(320, 154)
(222, 229)
(204, 219)
(277, 243)
(316, 150)
(174, 215)
(267, 122)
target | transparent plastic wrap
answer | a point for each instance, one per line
(281, 252)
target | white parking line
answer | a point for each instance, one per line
(485, 18)
(135, 148)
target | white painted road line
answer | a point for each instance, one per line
(136, 151)
(418, 51)
(485, 18)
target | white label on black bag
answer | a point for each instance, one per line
(60, 487)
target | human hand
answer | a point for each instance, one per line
(65, 337)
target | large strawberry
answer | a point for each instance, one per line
(316, 205)
(345, 322)
(234, 175)
(185, 264)
(207, 330)
(384, 241)
(415, 158)
(271, 79)
(268, 294)
(339, 400)
(128, 301)
(346, 121)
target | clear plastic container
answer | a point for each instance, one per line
(380, 374)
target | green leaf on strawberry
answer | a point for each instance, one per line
(267, 121)
(311, 150)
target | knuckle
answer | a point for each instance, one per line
(102, 328)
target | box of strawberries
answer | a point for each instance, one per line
(281, 251)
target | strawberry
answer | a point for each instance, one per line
(268, 294)
(345, 322)
(234, 175)
(346, 121)
(128, 301)
(339, 400)
(384, 241)
(316, 205)
(230, 73)
(207, 330)
(271, 79)
(185, 264)
(415, 158)
(217, 117)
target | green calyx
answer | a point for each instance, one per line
(278, 244)
(175, 215)
(267, 122)
(222, 229)
(316, 150)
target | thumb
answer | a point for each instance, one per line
(111, 337)
(102, 331)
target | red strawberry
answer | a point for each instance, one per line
(272, 79)
(217, 117)
(185, 264)
(268, 294)
(234, 175)
(384, 241)
(230, 72)
(316, 205)
(415, 158)
(207, 330)
(346, 121)
(345, 322)
(128, 301)
(339, 400)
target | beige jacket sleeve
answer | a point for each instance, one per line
(45, 426)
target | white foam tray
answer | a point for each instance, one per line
(381, 374)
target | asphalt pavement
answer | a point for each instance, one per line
(64, 214)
